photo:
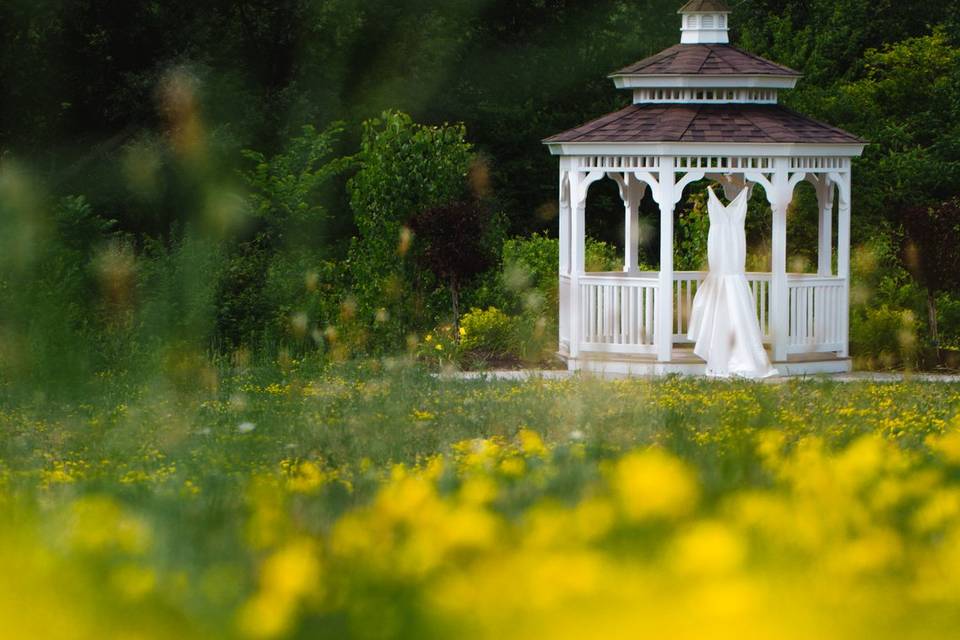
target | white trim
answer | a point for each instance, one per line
(707, 27)
(690, 81)
(705, 149)
(704, 36)
(708, 95)
(607, 365)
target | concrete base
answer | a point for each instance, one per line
(684, 362)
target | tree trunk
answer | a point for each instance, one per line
(455, 299)
(932, 319)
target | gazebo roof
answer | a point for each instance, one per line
(706, 91)
(705, 59)
(702, 6)
(722, 123)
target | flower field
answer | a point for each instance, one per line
(394, 504)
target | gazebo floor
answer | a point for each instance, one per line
(684, 362)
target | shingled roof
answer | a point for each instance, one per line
(705, 59)
(706, 123)
(704, 6)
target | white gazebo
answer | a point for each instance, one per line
(703, 109)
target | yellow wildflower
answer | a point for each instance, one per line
(652, 484)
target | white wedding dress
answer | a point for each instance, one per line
(723, 322)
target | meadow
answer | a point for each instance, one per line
(375, 500)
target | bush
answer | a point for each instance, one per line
(404, 169)
(283, 207)
(948, 307)
(305, 296)
(531, 265)
(885, 337)
(489, 334)
(883, 298)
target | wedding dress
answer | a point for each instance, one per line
(723, 322)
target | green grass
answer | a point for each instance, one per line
(165, 508)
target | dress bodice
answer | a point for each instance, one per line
(726, 241)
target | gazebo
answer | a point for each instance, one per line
(703, 109)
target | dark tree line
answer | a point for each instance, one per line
(80, 77)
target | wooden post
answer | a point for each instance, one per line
(779, 196)
(565, 296)
(666, 198)
(633, 190)
(564, 236)
(577, 258)
(825, 229)
(843, 259)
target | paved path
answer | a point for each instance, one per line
(859, 376)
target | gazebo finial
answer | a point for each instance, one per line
(704, 22)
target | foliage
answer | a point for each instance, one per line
(530, 266)
(404, 168)
(931, 237)
(827, 39)
(885, 338)
(690, 239)
(287, 187)
(145, 108)
(66, 284)
(455, 242)
(284, 194)
(305, 296)
(907, 105)
(292, 501)
(489, 334)
(885, 305)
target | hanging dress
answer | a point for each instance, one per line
(723, 322)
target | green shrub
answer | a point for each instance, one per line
(305, 296)
(693, 227)
(948, 307)
(404, 169)
(885, 307)
(531, 265)
(283, 213)
(601, 256)
(885, 337)
(489, 334)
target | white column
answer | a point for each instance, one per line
(564, 236)
(843, 258)
(666, 198)
(779, 197)
(565, 293)
(633, 194)
(825, 229)
(578, 202)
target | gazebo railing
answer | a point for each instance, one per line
(816, 313)
(685, 285)
(617, 311)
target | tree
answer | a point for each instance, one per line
(931, 238)
(455, 245)
(404, 168)
(283, 202)
(907, 106)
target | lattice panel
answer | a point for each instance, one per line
(619, 162)
(820, 163)
(725, 163)
(705, 96)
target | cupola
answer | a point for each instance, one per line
(705, 68)
(704, 22)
